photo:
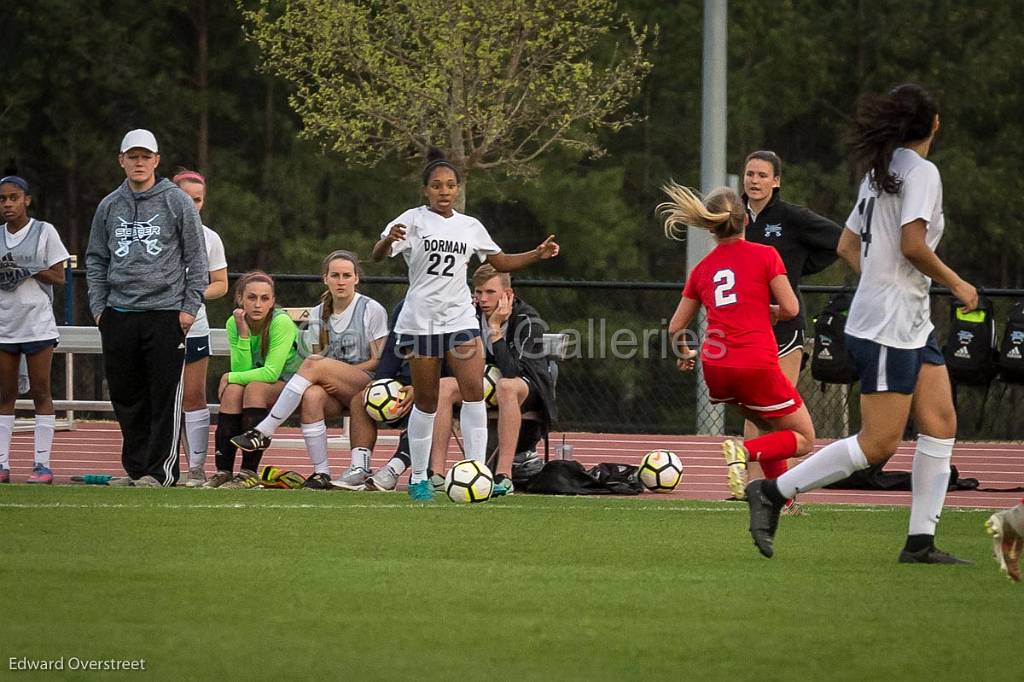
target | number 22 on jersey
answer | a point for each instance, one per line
(724, 281)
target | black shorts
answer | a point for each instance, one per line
(436, 345)
(789, 336)
(197, 348)
(533, 402)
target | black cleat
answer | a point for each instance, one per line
(251, 441)
(931, 555)
(318, 482)
(764, 518)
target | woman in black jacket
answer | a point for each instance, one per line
(807, 244)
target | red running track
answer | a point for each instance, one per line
(94, 447)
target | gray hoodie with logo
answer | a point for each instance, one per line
(146, 251)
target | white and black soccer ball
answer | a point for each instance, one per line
(468, 481)
(382, 399)
(491, 376)
(660, 471)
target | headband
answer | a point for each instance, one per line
(17, 180)
(189, 175)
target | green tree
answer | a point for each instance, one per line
(496, 83)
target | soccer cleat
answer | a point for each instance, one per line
(353, 479)
(502, 486)
(1007, 539)
(791, 508)
(5, 475)
(196, 478)
(764, 518)
(421, 492)
(217, 480)
(147, 481)
(318, 481)
(384, 478)
(437, 482)
(41, 474)
(121, 482)
(931, 555)
(251, 441)
(736, 459)
(240, 479)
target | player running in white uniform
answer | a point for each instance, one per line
(890, 238)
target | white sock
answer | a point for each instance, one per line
(197, 436)
(832, 463)
(287, 402)
(397, 465)
(315, 435)
(361, 458)
(420, 430)
(6, 429)
(929, 480)
(45, 426)
(473, 420)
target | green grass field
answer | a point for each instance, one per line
(297, 584)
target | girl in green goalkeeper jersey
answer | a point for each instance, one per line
(262, 341)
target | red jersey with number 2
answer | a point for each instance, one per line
(732, 283)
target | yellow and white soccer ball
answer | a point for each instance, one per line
(469, 481)
(382, 399)
(491, 376)
(660, 471)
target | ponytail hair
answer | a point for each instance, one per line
(885, 122)
(244, 281)
(721, 212)
(435, 160)
(326, 299)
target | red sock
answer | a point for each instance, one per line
(773, 468)
(771, 446)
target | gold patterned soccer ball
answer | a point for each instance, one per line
(382, 399)
(468, 481)
(491, 376)
(660, 471)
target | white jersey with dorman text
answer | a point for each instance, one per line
(891, 306)
(437, 251)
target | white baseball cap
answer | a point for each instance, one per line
(139, 138)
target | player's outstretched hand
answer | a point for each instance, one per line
(396, 234)
(548, 249)
(967, 294)
(687, 360)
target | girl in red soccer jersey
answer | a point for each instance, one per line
(735, 283)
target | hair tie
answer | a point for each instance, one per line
(189, 175)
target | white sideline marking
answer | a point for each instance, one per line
(248, 505)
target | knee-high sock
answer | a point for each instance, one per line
(197, 436)
(773, 468)
(929, 480)
(45, 426)
(6, 429)
(250, 417)
(315, 435)
(287, 402)
(228, 426)
(473, 420)
(771, 446)
(421, 431)
(832, 463)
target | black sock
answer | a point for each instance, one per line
(915, 543)
(228, 426)
(402, 453)
(251, 416)
(771, 490)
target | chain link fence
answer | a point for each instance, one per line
(621, 376)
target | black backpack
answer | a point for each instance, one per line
(970, 350)
(830, 362)
(1011, 350)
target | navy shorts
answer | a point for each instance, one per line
(884, 369)
(28, 347)
(197, 348)
(436, 345)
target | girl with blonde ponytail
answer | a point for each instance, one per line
(736, 283)
(351, 329)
